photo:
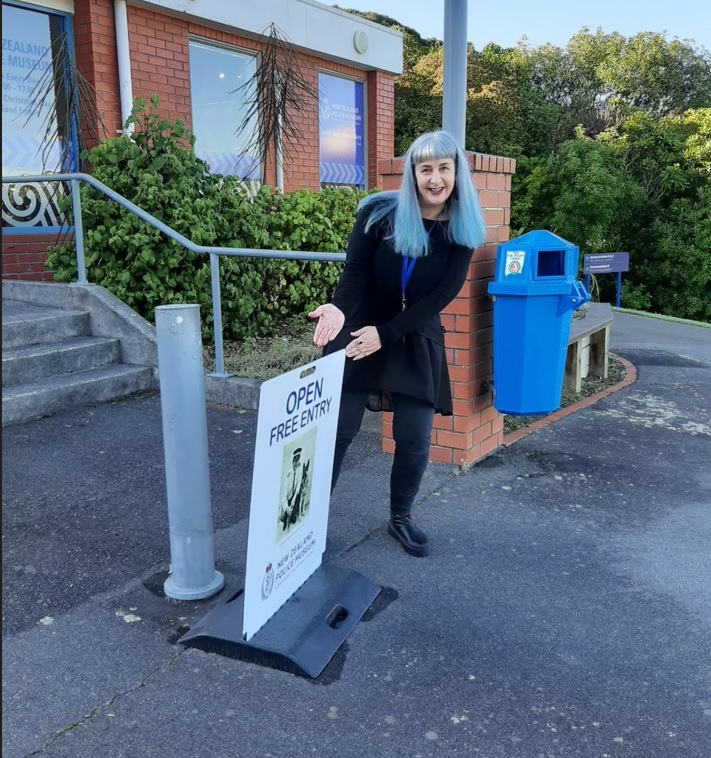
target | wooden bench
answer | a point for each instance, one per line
(588, 345)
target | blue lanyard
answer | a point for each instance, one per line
(408, 264)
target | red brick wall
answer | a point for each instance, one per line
(381, 118)
(95, 47)
(24, 256)
(475, 428)
(160, 65)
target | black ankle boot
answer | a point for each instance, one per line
(413, 540)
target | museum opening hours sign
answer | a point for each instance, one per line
(31, 97)
(27, 41)
(291, 484)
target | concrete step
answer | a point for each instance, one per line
(26, 324)
(24, 402)
(21, 365)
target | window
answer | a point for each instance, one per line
(32, 101)
(341, 132)
(220, 104)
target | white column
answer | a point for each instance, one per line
(123, 53)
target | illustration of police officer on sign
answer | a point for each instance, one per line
(295, 494)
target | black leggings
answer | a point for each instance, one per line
(412, 426)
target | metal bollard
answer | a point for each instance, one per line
(182, 391)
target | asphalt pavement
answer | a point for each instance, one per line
(565, 609)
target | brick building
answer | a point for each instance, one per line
(195, 55)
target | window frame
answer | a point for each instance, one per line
(67, 20)
(364, 84)
(229, 48)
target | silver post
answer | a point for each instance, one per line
(454, 96)
(182, 393)
(78, 232)
(217, 316)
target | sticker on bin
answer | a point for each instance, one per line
(514, 261)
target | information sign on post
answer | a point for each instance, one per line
(291, 485)
(606, 263)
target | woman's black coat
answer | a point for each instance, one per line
(412, 358)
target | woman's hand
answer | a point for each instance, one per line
(366, 342)
(330, 322)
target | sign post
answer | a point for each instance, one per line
(293, 613)
(606, 263)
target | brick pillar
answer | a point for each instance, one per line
(475, 428)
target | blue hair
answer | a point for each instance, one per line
(401, 208)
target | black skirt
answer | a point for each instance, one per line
(415, 366)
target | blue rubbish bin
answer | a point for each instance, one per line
(535, 293)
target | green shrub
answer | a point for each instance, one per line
(678, 267)
(156, 168)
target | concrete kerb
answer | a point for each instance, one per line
(661, 317)
(233, 391)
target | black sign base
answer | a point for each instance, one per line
(303, 635)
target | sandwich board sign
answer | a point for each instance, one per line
(293, 613)
(291, 485)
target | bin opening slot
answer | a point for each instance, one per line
(550, 263)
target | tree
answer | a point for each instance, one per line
(418, 98)
(276, 98)
(64, 102)
(657, 76)
(677, 268)
(584, 193)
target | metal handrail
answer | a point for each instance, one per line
(213, 252)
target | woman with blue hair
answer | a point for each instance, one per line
(407, 258)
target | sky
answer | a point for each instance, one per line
(554, 21)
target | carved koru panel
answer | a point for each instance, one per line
(32, 204)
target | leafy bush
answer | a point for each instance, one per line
(156, 168)
(300, 220)
(678, 267)
(642, 187)
(584, 193)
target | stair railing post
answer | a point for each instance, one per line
(78, 232)
(184, 411)
(217, 316)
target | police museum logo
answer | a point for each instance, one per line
(268, 582)
(324, 107)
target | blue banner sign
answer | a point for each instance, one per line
(341, 131)
(606, 263)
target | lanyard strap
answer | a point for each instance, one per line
(408, 264)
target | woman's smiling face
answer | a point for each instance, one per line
(435, 182)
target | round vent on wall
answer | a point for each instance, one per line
(360, 41)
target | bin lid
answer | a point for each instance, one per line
(536, 257)
(537, 239)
